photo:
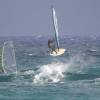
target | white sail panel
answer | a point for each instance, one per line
(55, 26)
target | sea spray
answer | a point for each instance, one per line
(80, 63)
(55, 72)
(50, 73)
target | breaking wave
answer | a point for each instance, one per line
(56, 71)
(50, 73)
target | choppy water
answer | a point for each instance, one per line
(72, 76)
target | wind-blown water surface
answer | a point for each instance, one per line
(72, 76)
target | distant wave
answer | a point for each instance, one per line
(93, 52)
(85, 76)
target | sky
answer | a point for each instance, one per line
(29, 17)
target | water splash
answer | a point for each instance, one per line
(50, 73)
(56, 71)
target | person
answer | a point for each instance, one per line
(1, 71)
(51, 45)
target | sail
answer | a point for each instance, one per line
(8, 58)
(55, 26)
(1, 69)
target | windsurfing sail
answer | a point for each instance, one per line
(1, 69)
(55, 26)
(8, 58)
(58, 50)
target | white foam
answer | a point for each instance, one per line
(53, 72)
(29, 72)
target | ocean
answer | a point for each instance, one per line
(75, 75)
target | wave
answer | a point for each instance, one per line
(85, 76)
(50, 73)
(57, 71)
(75, 68)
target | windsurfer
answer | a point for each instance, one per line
(1, 71)
(51, 45)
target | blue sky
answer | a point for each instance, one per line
(29, 17)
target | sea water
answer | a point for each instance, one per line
(75, 75)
